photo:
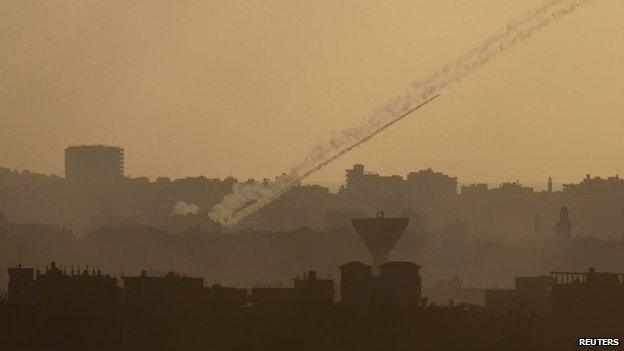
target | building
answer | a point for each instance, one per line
(398, 286)
(313, 291)
(56, 289)
(222, 298)
(531, 298)
(474, 190)
(21, 286)
(308, 291)
(358, 181)
(171, 292)
(534, 296)
(356, 285)
(83, 292)
(94, 163)
(591, 297)
(427, 184)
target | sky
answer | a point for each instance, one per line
(247, 88)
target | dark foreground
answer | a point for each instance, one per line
(322, 328)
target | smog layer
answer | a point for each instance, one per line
(246, 199)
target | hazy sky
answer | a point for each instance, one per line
(245, 88)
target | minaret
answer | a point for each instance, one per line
(564, 226)
(550, 185)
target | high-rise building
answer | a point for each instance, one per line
(95, 163)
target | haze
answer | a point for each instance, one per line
(245, 88)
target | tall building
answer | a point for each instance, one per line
(564, 226)
(359, 181)
(356, 285)
(95, 163)
(427, 184)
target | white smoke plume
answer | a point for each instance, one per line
(182, 208)
(246, 199)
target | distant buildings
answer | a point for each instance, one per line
(358, 181)
(430, 185)
(531, 298)
(569, 298)
(56, 290)
(169, 292)
(308, 291)
(423, 185)
(94, 163)
(595, 185)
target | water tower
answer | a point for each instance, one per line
(380, 234)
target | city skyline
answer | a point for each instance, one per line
(190, 103)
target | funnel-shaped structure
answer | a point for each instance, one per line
(380, 234)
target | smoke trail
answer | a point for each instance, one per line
(246, 199)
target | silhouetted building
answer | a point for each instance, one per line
(398, 286)
(21, 286)
(358, 181)
(81, 290)
(513, 190)
(94, 163)
(272, 298)
(313, 291)
(564, 226)
(170, 292)
(588, 298)
(474, 190)
(356, 285)
(531, 298)
(427, 184)
(222, 298)
(450, 292)
(534, 296)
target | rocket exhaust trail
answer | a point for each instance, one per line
(249, 208)
(245, 199)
